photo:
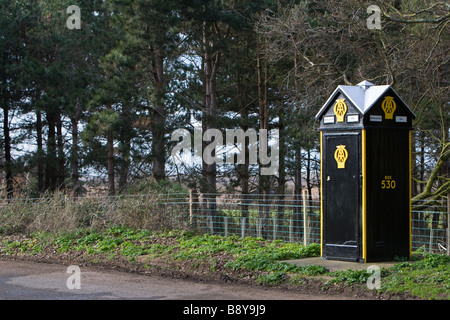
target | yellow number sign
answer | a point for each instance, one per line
(388, 183)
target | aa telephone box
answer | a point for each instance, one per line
(365, 136)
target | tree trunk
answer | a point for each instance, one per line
(124, 163)
(158, 119)
(75, 161)
(308, 174)
(211, 64)
(8, 159)
(281, 190)
(50, 163)
(110, 156)
(263, 124)
(298, 216)
(422, 162)
(75, 170)
(61, 184)
(298, 225)
(40, 152)
(243, 168)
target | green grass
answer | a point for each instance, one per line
(428, 276)
(126, 241)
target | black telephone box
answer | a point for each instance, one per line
(365, 136)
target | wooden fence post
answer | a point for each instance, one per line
(258, 228)
(291, 229)
(211, 224)
(305, 218)
(191, 210)
(275, 226)
(242, 228)
(225, 225)
(431, 236)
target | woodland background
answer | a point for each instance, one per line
(82, 108)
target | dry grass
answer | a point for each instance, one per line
(60, 213)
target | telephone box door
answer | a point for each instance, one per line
(341, 181)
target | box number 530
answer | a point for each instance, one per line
(388, 183)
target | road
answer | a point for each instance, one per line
(31, 281)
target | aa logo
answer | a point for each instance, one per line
(388, 107)
(340, 109)
(341, 155)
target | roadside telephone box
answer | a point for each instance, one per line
(365, 136)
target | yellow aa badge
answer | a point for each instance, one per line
(388, 107)
(341, 156)
(340, 109)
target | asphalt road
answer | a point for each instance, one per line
(29, 280)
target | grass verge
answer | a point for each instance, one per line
(427, 277)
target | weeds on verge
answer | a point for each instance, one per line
(428, 276)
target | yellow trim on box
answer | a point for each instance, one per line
(364, 200)
(410, 223)
(321, 194)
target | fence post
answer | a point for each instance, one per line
(191, 211)
(193, 207)
(305, 218)
(211, 224)
(275, 226)
(431, 236)
(225, 225)
(242, 228)
(258, 228)
(291, 229)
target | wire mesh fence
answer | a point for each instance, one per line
(294, 218)
(430, 226)
(274, 217)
